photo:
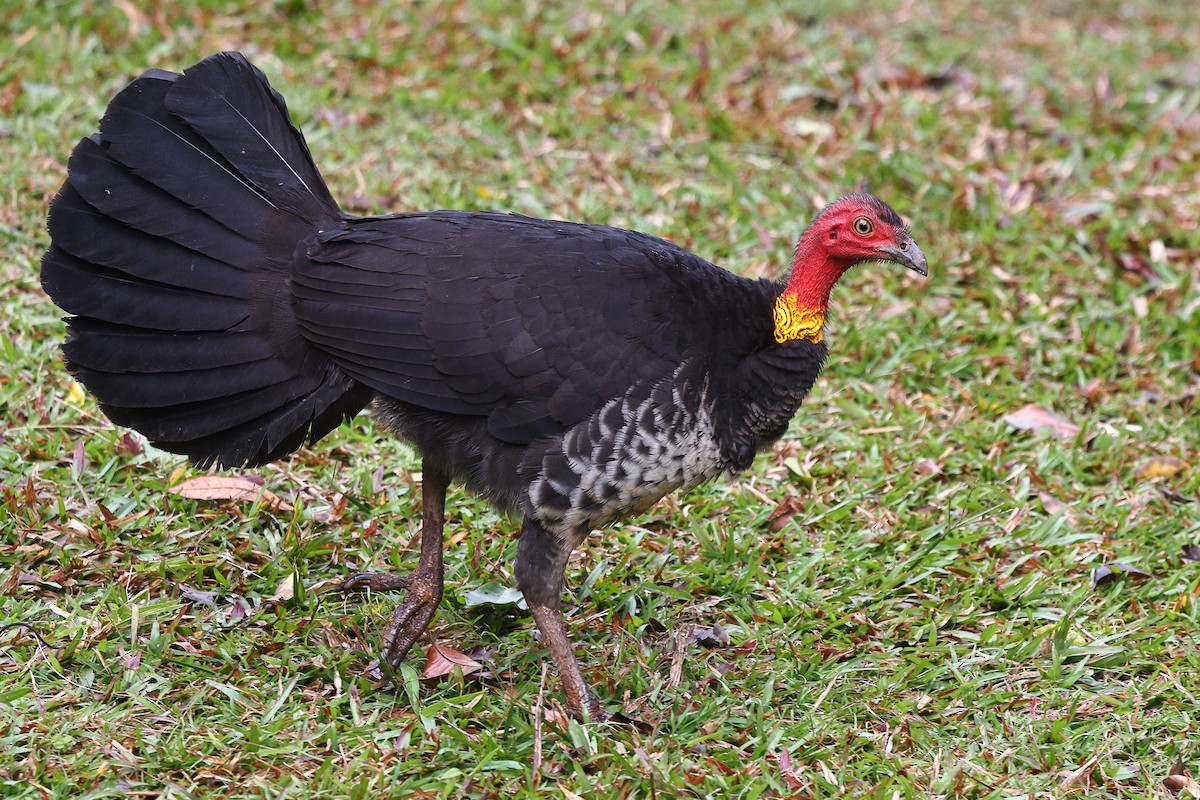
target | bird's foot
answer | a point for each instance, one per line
(595, 711)
(423, 594)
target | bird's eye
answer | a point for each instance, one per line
(863, 226)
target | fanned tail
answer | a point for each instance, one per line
(172, 239)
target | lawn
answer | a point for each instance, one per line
(972, 569)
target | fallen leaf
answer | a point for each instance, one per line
(129, 445)
(78, 459)
(783, 761)
(76, 394)
(441, 661)
(1035, 418)
(1050, 503)
(481, 654)
(1093, 392)
(1159, 467)
(1179, 781)
(1110, 572)
(326, 586)
(237, 610)
(1138, 267)
(197, 596)
(233, 487)
(782, 514)
(716, 636)
(495, 594)
(927, 466)
(286, 589)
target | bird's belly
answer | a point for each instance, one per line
(634, 451)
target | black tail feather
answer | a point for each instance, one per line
(145, 207)
(94, 237)
(229, 102)
(171, 241)
(139, 132)
(204, 419)
(109, 295)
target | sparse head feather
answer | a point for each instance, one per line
(864, 201)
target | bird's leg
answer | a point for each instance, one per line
(424, 587)
(541, 563)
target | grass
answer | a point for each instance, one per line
(917, 620)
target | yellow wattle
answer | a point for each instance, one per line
(793, 321)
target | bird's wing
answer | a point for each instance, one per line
(531, 323)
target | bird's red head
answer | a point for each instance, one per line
(856, 228)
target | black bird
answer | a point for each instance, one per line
(224, 306)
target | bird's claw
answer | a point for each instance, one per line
(408, 623)
(376, 582)
(410, 619)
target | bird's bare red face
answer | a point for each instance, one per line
(854, 229)
(861, 228)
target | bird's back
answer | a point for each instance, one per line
(533, 324)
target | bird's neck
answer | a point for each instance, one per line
(801, 308)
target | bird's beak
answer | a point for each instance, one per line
(906, 253)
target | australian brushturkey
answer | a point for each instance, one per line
(223, 305)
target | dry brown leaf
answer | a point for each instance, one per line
(129, 445)
(286, 589)
(1107, 573)
(927, 466)
(1159, 467)
(782, 514)
(1036, 418)
(78, 459)
(441, 661)
(1180, 782)
(716, 636)
(1093, 392)
(1050, 503)
(234, 487)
